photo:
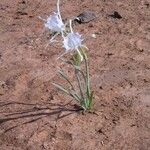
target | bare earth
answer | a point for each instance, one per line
(35, 116)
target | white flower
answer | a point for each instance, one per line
(72, 41)
(55, 23)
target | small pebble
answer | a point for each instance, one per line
(93, 35)
(85, 17)
(115, 15)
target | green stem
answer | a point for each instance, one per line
(87, 76)
(79, 83)
(87, 72)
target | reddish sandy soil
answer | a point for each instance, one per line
(35, 116)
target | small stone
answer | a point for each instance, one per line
(115, 15)
(85, 17)
(93, 36)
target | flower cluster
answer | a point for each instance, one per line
(71, 41)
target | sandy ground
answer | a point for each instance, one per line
(35, 116)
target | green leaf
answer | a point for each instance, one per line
(91, 99)
(61, 72)
(76, 59)
(79, 84)
(75, 95)
(60, 87)
(83, 52)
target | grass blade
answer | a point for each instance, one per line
(60, 87)
(75, 96)
(65, 77)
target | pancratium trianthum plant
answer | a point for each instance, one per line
(72, 43)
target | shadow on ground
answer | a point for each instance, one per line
(34, 112)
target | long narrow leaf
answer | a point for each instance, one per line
(65, 77)
(91, 99)
(75, 96)
(87, 75)
(60, 87)
(79, 84)
(77, 68)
